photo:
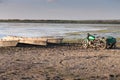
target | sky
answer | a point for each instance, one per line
(60, 9)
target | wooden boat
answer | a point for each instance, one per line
(27, 40)
(36, 40)
(33, 41)
(5, 43)
(56, 40)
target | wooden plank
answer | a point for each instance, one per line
(55, 40)
(27, 40)
(4, 43)
(35, 42)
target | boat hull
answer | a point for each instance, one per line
(27, 40)
(4, 43)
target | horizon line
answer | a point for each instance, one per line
(65, 19)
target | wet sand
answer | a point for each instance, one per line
(59, 63)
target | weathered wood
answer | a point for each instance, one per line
(54, 40)
(35, 40)
(5, 43)
(51, 39)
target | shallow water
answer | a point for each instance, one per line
(64, 30)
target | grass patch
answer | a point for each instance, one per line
(72, 40)
(99, 31)
(73, 33)
(103, 31)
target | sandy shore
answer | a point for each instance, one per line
(59, 63)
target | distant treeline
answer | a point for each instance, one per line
(63, 21)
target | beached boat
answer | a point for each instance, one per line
(36, 40)
(4, 43)
(55, 40)
(27, 40)
(33, 41)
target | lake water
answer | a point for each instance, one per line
(63, 30)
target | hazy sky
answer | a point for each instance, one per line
(60, 9)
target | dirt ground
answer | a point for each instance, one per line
(59, 63)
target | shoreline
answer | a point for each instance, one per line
(61, 21)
